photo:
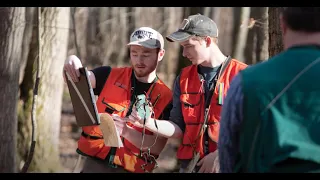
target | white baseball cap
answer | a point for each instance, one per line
(147, 37)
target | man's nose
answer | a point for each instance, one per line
(184, 53)
(140, 59)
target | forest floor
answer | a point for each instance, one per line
(70, 133)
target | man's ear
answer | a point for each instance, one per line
(161, 54)
(208, 41)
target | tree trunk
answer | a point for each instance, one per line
(25, 101)
(206, 11)
(242, 35)
(78, 34)
(92, 41)
(113, 35)
(262, 35)
(215, 14)
(258, 37)
(29, 15)
(11, 36)
(54, 41)
(225, 23)
(123, 38)
(275, 35)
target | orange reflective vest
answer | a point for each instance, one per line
(115, 98)
(193, 107)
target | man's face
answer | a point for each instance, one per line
(143, 60)
(195, 50)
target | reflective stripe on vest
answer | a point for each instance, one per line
(115, 99)
(193, 108)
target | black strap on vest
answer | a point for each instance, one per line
(112, 152)
(89, 136)
(220, 71)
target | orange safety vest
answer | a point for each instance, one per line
(116, 97)
(193, 107)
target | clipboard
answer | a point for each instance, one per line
(83, 99)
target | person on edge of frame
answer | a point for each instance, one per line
(270, 122)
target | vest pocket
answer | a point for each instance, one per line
(112, 107)
(191, 134)
(190, 106)
(190, 99)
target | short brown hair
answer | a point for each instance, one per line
(304, 19)
(215, 39)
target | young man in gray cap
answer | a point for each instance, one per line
(117, 89)
(198, 95)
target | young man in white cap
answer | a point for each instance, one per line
(117, 89)
(198, 95)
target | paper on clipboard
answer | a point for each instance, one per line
(111, 135)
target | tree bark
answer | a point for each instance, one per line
(275, 35)
(11, 36)
(54, 42)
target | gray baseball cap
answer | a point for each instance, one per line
(198, 24)
(147, 37)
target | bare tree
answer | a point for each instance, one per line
(123, 35)
(92, 40)
(225, 22)
(242, 34)
(275, 35)
(54, 41)
(113, 35)
(11, 36)
(79, 17)
(258, 37)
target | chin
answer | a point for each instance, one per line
(195, 63)
(140, 73)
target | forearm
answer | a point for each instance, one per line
(165, 128)
(135, 137)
